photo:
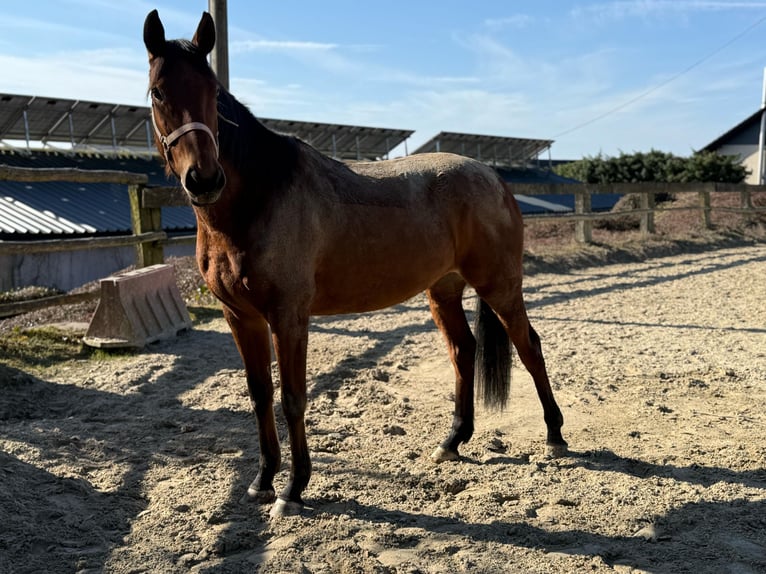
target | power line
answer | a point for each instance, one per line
(653, 89)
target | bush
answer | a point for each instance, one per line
(656, 166)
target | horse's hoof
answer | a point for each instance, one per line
(442, 454)
(284, 507)
(556, 450)
(259, 496)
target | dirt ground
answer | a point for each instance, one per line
(139, 462)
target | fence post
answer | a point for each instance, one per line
(704, 199)
(746, 204)
(647, 215)
(145, 219)
(584, 226)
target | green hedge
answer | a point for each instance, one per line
(656, 166)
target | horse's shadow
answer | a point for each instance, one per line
(606, 460)
(726, 550)
(722, 536)
(134, 428)
(58, 516)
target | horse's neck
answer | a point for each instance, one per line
(261, 162)
(249, 140)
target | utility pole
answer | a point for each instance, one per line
(219, 57)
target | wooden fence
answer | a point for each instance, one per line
(149, 238)
(147, 235)
(583, 216)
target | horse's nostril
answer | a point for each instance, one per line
(197, 184)
(190, 180)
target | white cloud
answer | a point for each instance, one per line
(514, 21)
(266, 100)
(66, 77)
(623, 9)
(243, 46)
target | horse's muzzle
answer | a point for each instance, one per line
(203, 190)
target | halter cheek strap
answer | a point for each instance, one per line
(170, 139)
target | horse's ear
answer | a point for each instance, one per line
(154, 35)
(204, 37)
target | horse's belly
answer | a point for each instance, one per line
(365, 287)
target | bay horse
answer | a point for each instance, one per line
(285, 232)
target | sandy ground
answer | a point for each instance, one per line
(139, 463)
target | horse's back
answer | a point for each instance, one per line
(468, 198)
(429, 166)
(395, 227)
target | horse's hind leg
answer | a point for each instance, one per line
(527, 343)
(445, 298)
(513, 315)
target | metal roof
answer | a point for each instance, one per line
(65, 209)
(81, 123)
(496, 150)
(57, 209)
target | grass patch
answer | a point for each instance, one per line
(41, 347)
(27, 293)
(203, 314)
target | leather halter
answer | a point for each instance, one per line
(169, 140)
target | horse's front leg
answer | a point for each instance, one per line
(251, 335)
(290, 334)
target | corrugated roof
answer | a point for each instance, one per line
(19, 217)
(58, 209)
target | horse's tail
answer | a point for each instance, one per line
(493, 357)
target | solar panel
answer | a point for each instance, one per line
(80, 123)
(343, 141)
(73, 122)
(496, 150)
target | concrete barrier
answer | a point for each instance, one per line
(137, 308)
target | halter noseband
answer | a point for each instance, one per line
(169, 140)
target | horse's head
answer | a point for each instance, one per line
(184, 93)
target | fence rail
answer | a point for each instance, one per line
(52, 245)
(149, 238)
(18, 307)
(583, 216)
(71, 174)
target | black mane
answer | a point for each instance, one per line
(263, 157)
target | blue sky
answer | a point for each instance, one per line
(595, 76)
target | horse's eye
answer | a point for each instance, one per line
(157, 94)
